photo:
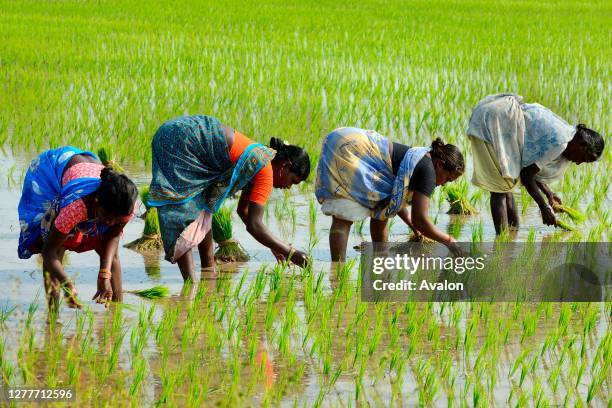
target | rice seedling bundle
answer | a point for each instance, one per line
(156, 292)
(151, 235)
(420, 238)
(576, 216)
(457, 197)
(229, 250)
(565, 225)
(105, 154)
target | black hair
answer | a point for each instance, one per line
(449, 155)
(593, 142)
(299, 162)
(117, 193)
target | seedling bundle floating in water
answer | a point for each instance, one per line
(229, 249)
(151, 236)
(156, 292)
(457, 196)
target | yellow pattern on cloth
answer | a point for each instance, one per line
(487, 171)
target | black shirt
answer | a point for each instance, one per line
(423, 177)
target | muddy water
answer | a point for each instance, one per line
(22, 283)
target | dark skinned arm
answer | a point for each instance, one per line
(50, 254)
(531, 185)
(259, 231)
(404, 214)
(552, 197)
(109, 245)
(421, 221)
(243, 206)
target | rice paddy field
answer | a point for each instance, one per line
(108, 73)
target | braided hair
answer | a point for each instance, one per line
(299, 162)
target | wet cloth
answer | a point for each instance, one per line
(355, 165)
(44, 196)
(516, 135)
(192, 172)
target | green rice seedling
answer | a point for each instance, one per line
(565, 225)
(576, 216)
(457, 196)
(229, 250)
(156, 292)
(106, 156)
(151, 235)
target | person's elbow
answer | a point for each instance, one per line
(253, 226)
(243, 213)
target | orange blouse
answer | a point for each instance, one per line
(261, 185)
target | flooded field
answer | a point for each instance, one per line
(261, 333)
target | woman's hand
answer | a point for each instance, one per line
(105, 291)
(554, 201)
(452, 246)
(548, 215)
(297, 257)
(71, 295)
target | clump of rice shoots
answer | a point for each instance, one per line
(420, 238)
(565, 225)
(156, 292)
(576, 216)
(457, 197)
(105, 154)
(151, 235)
(229, 250)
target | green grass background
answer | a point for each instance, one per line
(93, 72)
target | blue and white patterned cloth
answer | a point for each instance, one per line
(355, 165)
(522, 134)
(43, 195)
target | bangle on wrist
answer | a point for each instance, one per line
(104, 273)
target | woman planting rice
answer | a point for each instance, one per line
(362, 174)
(197, 164)
(70, 201)
(516, 142)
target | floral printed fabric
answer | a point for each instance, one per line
(76, 212)
(43, 196)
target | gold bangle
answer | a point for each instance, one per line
(104, 273)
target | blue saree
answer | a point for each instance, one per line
(43, 196)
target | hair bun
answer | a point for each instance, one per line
(437, 144)
(108, 174)
(276, 143)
